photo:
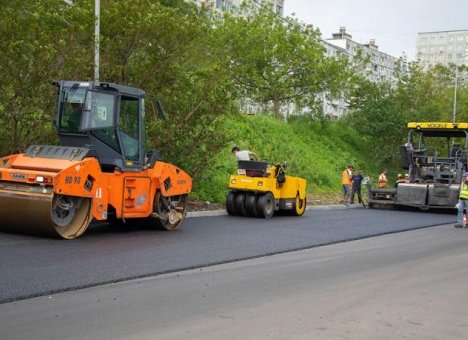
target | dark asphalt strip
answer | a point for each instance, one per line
(10, 299)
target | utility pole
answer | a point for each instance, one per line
(97, 10)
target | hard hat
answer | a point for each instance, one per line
(406, 175)
(399, 175)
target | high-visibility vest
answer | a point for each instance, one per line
(382, 182)
(346, 177)
(464, 191)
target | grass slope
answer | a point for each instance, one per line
(314, 151)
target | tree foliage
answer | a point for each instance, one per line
(380, 111)
(275, 60)
(38, 44)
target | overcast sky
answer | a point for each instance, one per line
(394, 24)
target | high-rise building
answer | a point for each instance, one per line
(379, 65)
(444, 47)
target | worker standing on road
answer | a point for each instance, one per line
(462, 201)
(356, 179)
(383, 179)
(346, 180)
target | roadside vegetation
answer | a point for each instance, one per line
(315, 151)
(201, 67)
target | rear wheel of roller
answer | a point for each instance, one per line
(70, 215)
(170, 211)
(240, 204)
(266, 205)
(251, 205)
(231, 203)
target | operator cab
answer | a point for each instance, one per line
(106, 118)
(435, 152)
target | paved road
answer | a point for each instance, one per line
(33, 266)
(409, 285)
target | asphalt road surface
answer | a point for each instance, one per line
(409, 285)
(33, 266)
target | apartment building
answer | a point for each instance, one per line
(379, 66)
(443, 47)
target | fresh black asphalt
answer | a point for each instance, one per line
(34, 266)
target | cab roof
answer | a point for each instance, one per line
(440, 129)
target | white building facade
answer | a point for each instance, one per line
(444, 47)
(379, 65)
(234, 6)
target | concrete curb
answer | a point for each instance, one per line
(222, 212)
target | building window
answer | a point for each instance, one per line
(279, 10)
(219, 4)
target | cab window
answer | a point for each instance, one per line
(129, 127)
(71, 106)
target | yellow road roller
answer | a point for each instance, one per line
(261, 189)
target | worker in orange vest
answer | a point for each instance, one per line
(383, 179)
(346, 181)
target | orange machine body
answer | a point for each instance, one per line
(131, 194)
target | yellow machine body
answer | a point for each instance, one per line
(260, 189)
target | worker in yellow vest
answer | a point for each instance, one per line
(462, 201)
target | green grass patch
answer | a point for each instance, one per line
(315, 151)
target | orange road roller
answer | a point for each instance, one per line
(102, 170)
(261, 189)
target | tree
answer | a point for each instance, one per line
(274, 60)
(39, 40)
(165, 51)
(375, 117)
